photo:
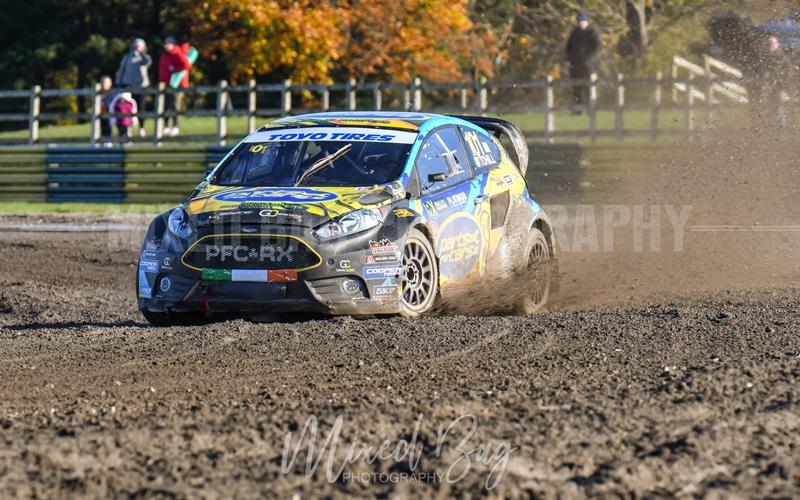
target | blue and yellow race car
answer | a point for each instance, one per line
(353, 213)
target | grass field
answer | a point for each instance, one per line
(529, 122)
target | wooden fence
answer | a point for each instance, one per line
(254, 102)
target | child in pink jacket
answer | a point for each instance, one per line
(125, 107)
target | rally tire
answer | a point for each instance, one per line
(420, 282)
(537, 272)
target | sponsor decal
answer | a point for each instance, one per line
(403, 212)
(509, 180)
(269, 213)
(451, 201)
(244, 253)
(150, 266)
(145, 291)
(149, 255)
(278, 195)
(349, 134)
(385, 291)
(459, 247)
(382, 259)
(167, 264)
(382, 247)
(344, 266)
(151, 245)
(382, 272)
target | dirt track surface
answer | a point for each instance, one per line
(693, 396)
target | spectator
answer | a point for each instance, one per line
(583, 46)
(133, 74)
(174, 61)
(124, 108)
(105, 107)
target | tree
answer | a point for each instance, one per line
(282, 38)
(433, 39)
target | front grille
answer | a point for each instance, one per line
(250, 252)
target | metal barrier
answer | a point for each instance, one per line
(145, 174)
(133, 175)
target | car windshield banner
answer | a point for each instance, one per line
(343, 134)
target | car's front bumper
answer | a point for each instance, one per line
(353, 275)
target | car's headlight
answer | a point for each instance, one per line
(178, 224)
(350, 223)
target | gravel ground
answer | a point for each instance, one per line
(660, 372)
(691, 396)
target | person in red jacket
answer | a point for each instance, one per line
(174, 60)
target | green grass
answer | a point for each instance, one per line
(533, 122)
(194, 125)
(35, 208)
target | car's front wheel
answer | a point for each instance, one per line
(420, 282)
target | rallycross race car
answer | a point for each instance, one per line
(355, 213)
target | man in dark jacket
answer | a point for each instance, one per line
(133, 74)
(583, 46)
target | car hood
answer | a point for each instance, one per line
(305, 206)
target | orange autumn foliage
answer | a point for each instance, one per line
(317, 41)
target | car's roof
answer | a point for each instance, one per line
(398, 120)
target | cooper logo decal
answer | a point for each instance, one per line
(382, 272)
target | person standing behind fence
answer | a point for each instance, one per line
(124, 108)
(583, 47)
(133, 74)
(174, 60)
(106, 97)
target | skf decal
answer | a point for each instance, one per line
(385, 291)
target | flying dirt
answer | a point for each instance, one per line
(661, 369)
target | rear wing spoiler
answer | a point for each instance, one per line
(509, 135)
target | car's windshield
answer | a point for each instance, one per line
(317, 157)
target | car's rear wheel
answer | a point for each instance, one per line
(420, 282)
(537, 273)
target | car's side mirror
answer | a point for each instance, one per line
(437, 177)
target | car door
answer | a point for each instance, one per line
(456, 213)
(491, 181)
